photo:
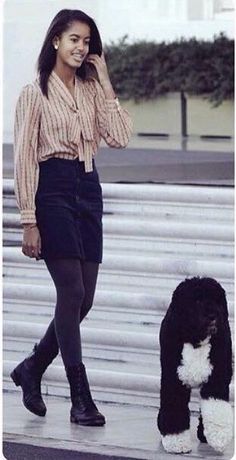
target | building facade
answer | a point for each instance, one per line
(25, 23)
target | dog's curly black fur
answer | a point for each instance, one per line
(198, 312)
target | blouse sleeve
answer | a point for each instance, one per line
(114, 123)
(26, 168)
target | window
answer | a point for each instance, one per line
(221, 6)
(195, 9)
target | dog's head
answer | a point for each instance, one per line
(200, 308)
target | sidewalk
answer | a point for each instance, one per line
(130, 433)
(190, 143)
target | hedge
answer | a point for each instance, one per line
(144, 70)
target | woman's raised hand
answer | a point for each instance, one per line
(101, 67)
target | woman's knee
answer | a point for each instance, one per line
(69, 283)
(85, 308)
(77, 293)
(86, 305)
(71, 297)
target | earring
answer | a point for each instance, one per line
(56, 47)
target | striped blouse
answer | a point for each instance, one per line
(61, 127)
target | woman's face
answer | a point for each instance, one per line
(73, 45)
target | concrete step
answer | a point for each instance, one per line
(151, 266)
(156, 192)
(123, 339)
(168, 210)
(119, 341)
(101, 378)
(101, 355)
(95, 319)
(125, 377)
(159, 287)
(159, 210)
(133, 308)
(154, 279)
(110, 314)
(169, 193)
(131, 226)
(108, 299)
(156, 285)
(129, 281)
(169, 247)
(122, 348)
(131, 364)
(123, 244)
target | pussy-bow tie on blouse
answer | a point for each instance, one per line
(78, 106)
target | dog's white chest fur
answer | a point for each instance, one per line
(195, 367)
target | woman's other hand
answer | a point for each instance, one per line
(31, 245)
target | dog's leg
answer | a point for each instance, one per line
(179, 443)
(217, 422)
(174, 416)
(217, 414)
(200, 431)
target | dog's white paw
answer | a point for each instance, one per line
(177, 443)
(217, 418)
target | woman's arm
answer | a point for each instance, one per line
(26, 170)
(114, 123)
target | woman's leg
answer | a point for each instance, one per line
(48, 345)
(89, 273)
(65, 330)
(67, 277)
(68, 280)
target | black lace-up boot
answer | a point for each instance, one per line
(83, 410)
(28, 375)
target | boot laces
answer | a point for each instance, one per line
(82, 391)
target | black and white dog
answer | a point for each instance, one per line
(196, 351)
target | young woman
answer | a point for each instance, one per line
(60, 119)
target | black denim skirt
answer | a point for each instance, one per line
(69, 209)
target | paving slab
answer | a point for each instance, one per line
(130, 433)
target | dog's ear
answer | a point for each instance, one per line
(219, 294)
(177, 292)
(178, 300)
(223, 302)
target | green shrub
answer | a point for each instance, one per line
(144, 70)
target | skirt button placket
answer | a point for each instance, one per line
(77, 199)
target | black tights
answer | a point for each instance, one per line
(75, 283)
